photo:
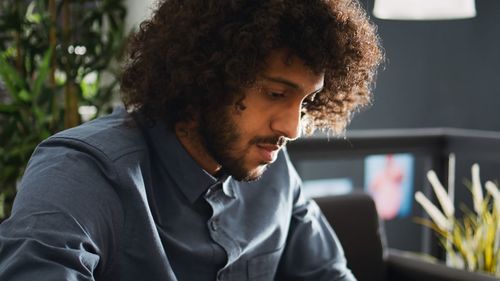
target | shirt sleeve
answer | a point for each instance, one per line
(313, 251)
(61, 227)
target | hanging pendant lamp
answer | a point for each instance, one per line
(424, 9)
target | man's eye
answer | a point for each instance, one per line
(275, 95)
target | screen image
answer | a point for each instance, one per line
(389, 179)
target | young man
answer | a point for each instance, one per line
(192, 181)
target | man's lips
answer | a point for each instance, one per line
(268, 152)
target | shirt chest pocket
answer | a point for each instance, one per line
(263, 267)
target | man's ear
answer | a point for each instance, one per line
(239, 105)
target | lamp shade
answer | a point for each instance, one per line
(424, 9)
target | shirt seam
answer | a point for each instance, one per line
(111, 159)
(119, 246)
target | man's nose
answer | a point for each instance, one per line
(287, 123)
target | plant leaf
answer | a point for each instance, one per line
(43, 71)
(12, 79)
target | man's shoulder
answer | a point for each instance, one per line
(114, 135)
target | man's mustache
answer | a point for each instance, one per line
(272, 140)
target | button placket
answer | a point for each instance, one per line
(217, 199)
(214, 224)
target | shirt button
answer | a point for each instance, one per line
(208, 193)
(213, 225)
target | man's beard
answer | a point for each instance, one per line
(220, 135)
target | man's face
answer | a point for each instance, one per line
(246, 137)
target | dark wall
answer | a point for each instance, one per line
(438, 73)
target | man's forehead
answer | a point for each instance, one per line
(284, 67)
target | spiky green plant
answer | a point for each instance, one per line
(471, 242)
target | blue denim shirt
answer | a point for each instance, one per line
(115, 199)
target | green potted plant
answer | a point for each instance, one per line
(471, 242)
(57, 68)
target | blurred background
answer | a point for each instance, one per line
(439, 73)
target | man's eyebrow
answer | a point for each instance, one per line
(282, 81)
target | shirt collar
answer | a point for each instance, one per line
(190, 178)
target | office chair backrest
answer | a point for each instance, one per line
(355, 221)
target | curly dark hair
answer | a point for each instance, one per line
(198, 54)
